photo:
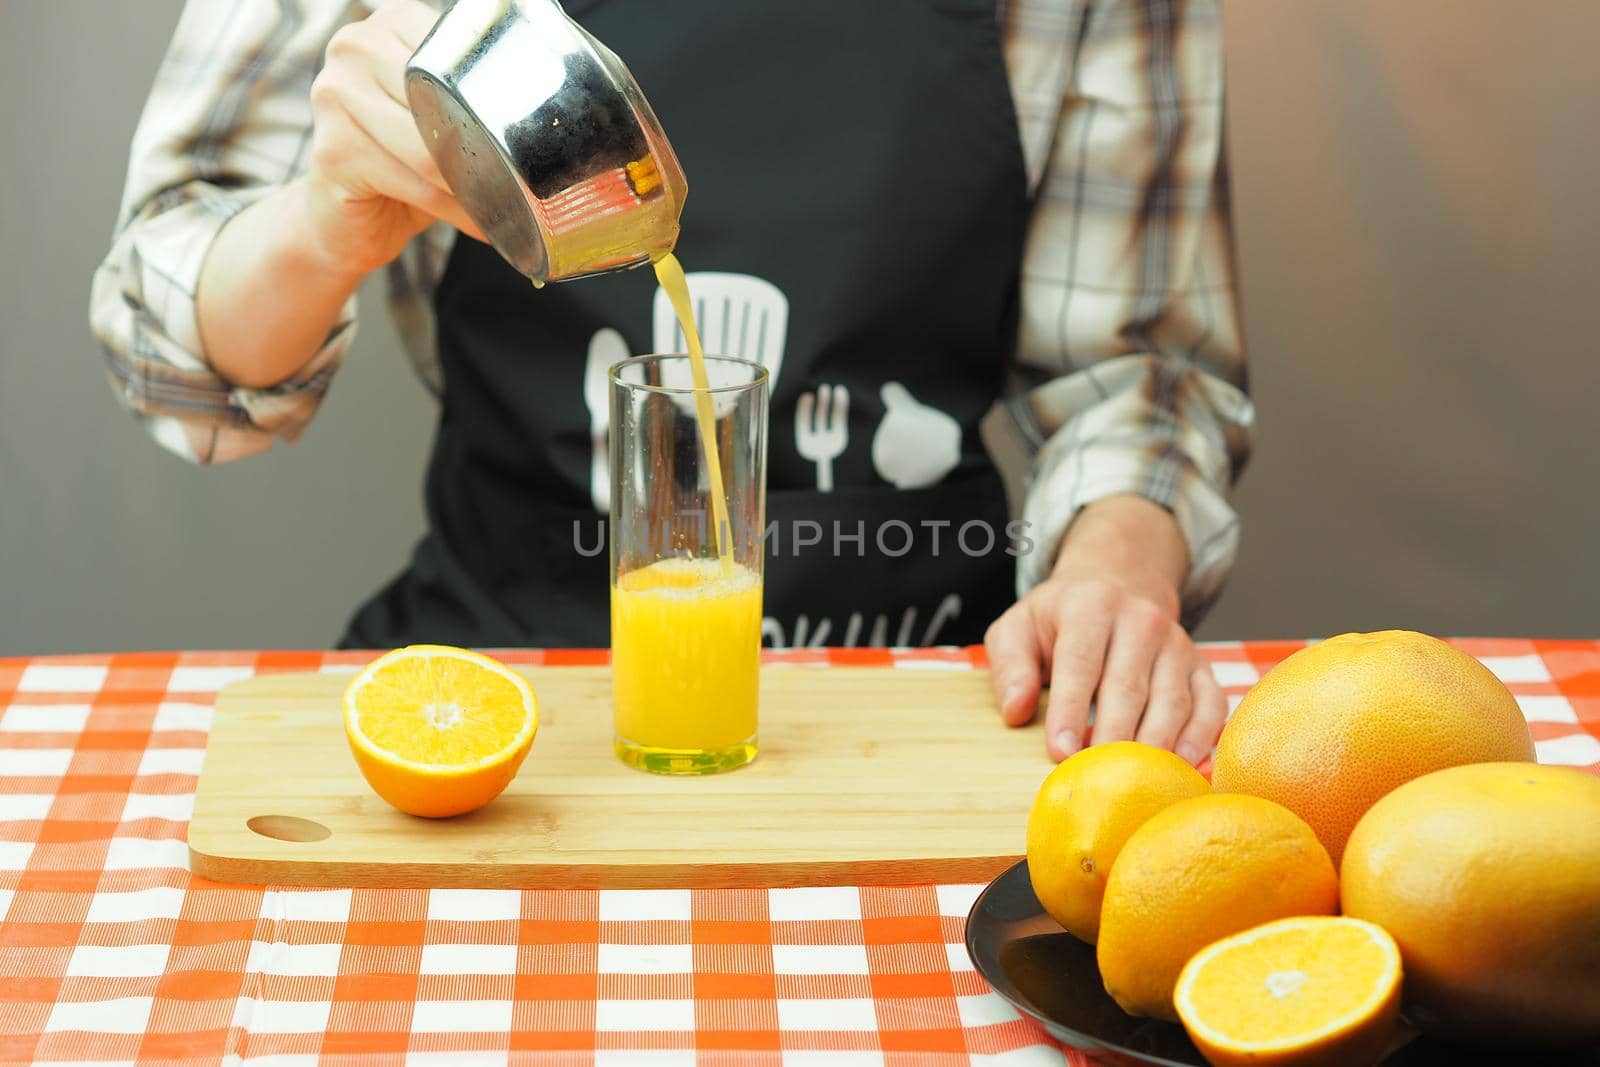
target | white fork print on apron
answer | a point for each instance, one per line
(822, 429)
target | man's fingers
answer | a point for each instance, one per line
(371, 79)
(389, 57)
(1076, 660)
(1137, 639)
(391, 130)
(388, 175)
(1205, 721)
(1013, 648)
(408, 20)
(392, 127)
(1171, 695)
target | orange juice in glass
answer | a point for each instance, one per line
(686, 575)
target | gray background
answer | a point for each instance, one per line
(1414, 188)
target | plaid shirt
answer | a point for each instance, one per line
(1129, 372)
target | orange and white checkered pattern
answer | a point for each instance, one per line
(111, 952)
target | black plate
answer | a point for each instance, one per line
(1051, 976)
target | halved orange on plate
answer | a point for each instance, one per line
(439, 731)
(1307, 991)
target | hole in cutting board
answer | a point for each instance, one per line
(289, 828)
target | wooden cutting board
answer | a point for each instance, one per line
(867, 776)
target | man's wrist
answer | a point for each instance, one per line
(305, 243)
(267, 295)
(1131, 540)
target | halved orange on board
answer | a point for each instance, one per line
(439, 731)
(1308, 991)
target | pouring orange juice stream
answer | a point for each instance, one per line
(669, 273)
(686, 632)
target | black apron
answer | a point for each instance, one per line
(861, 158)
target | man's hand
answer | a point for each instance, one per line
(1103, 629)
(279, 273)
(371, 185)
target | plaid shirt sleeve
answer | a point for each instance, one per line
(227, 121)
(1130, 370)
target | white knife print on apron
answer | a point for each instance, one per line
(606, 347)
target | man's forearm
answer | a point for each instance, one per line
(268, 295)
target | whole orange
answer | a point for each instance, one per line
(1194, 873)
(1084, 812)
(1337, 725)
(1488, 877)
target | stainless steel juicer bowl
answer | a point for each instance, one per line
(546, 139)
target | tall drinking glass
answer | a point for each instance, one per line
(686, 588)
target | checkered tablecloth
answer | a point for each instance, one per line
(110, 951)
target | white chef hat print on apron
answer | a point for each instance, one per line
(915, 445)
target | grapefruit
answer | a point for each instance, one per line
(1337, 725)
(1488, 876)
